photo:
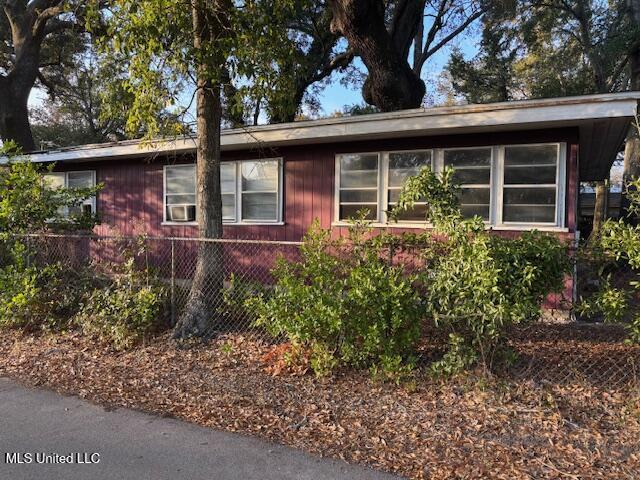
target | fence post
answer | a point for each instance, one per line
(173, 283)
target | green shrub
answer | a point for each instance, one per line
(351, 309)
(614, 249)
(476, 284)
(31, 295)
(37, 297)
(131, 308)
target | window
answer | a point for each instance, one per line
(508, 186)
(259, 191)
(228, 184)
(251, 192)
(530, 184)
(473, 171)
(363, 177)
(83, 179)
(359, 185)
(180, 193)
(403, 165)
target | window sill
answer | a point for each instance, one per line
(531, 226)
(386, 225)
(224, 224)
(426, 226)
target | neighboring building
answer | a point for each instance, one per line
(520, 164)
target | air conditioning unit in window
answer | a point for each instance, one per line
(182, 213)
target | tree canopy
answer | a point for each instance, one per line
(549, 49)
(39, 40)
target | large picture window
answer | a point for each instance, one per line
(79, 179)
(508, 186)
(251, 192)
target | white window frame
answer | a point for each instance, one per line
(492, 175)
(496, 187)
(338, 189)
(383, 201)
(89, 201)
(560, 186)
(165, 221)
(238, 194)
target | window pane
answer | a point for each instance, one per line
(351, 211)
(406, 164)
(181, 199)
(529, 175)
(530, 196)
(475, 196)
(80, 179)
(394, 195)
(228, 177)
(530, 213)
(359, 196)
(480, 176)
(416, 214)
(359, 170)
(260, 206)
(260, 176)
(531, 155)
(181, 179)
(467, 158)
(228, 206)
(470, 210)
(54, 180)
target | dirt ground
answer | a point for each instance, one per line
(465, 428)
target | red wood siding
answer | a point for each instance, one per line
(131, 200)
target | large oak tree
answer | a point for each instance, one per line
(38, 39)
(394, 41)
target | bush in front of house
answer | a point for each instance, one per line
(361, 310)
(614, 249)
(40, 297)
(35, 296)
(129, 309)
(477, 284)
(343, 309)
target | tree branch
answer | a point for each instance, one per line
(427, 53)
(47, 84)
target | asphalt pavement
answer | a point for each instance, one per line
(47, 436)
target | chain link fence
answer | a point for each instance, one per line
(550, 351)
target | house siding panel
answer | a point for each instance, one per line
(131, 201)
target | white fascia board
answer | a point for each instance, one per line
(527, 114)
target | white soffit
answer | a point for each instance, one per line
(529, 114)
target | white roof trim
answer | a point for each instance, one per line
(527, 114)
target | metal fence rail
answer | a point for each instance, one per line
(547, 351)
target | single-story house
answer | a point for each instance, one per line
(520, 164)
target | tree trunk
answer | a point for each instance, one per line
(14, 114)
(600, 208)
(391, 83)
(632, 144)
(631, 171)
(205, 296)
